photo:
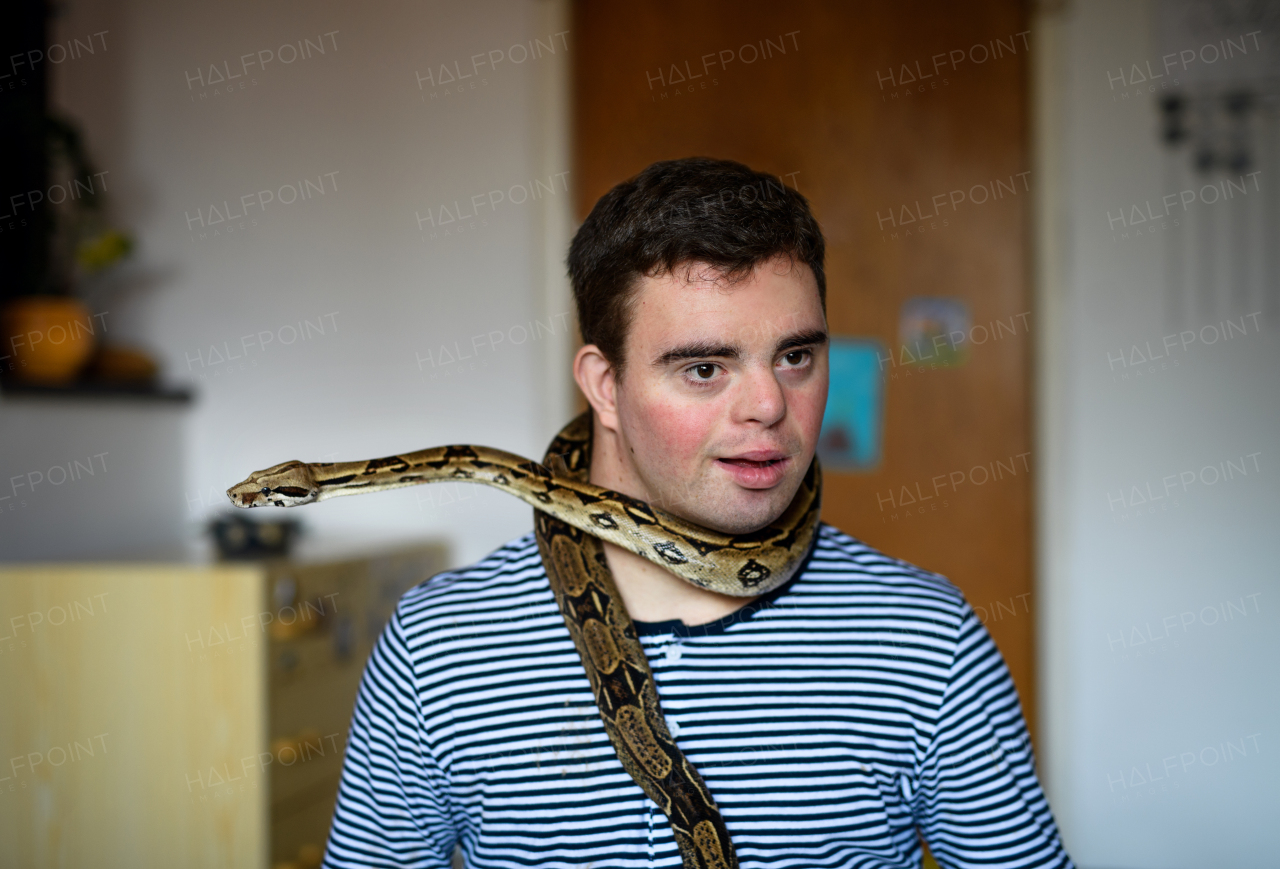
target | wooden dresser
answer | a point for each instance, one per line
(171, 715)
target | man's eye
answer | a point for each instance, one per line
(796, 357)
(704, 372)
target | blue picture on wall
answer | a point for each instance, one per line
(853, 426)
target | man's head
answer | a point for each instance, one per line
(701, 298)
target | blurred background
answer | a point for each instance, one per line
(238, 234)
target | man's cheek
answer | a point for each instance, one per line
(806, 407)
(816, 412)
(675, 433)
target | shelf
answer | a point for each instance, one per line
(98, 391)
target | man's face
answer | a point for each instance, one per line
(721, 400)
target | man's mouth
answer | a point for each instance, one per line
(748, 463)
(759, 469)
(757, 458)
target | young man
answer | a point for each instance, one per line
(834, 720)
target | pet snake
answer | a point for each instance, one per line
(571, 517)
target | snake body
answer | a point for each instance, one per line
(572, 517)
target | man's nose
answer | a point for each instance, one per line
(761, 398)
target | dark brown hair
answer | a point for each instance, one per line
(678, 212)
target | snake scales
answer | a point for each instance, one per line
(571, 518)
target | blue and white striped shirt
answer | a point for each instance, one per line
(858, 707)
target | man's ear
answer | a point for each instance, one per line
(595, 377)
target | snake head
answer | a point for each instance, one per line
(284, 485)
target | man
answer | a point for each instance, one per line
(834, 720)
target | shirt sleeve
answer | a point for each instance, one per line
(392, 807)
(979, 802)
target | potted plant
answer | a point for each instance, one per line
(50, 333)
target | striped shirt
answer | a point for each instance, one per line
(836, 721)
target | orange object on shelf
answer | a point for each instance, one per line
(49, 337)
(118, 364)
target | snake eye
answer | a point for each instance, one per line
(266, 490)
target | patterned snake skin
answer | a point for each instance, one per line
(571, 518)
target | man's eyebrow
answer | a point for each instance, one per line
(708, 350)
(698, 350)
(802, 339)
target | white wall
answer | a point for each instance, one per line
(90, 479)
(1148, 675)
(381, 296)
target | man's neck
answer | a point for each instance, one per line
(649, 592)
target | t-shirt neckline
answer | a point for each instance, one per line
(679, 629)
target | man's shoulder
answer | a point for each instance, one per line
(842, 562)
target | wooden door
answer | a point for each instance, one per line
(906, 127)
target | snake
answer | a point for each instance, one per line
(572, 519)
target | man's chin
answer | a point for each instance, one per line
(735, 514)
